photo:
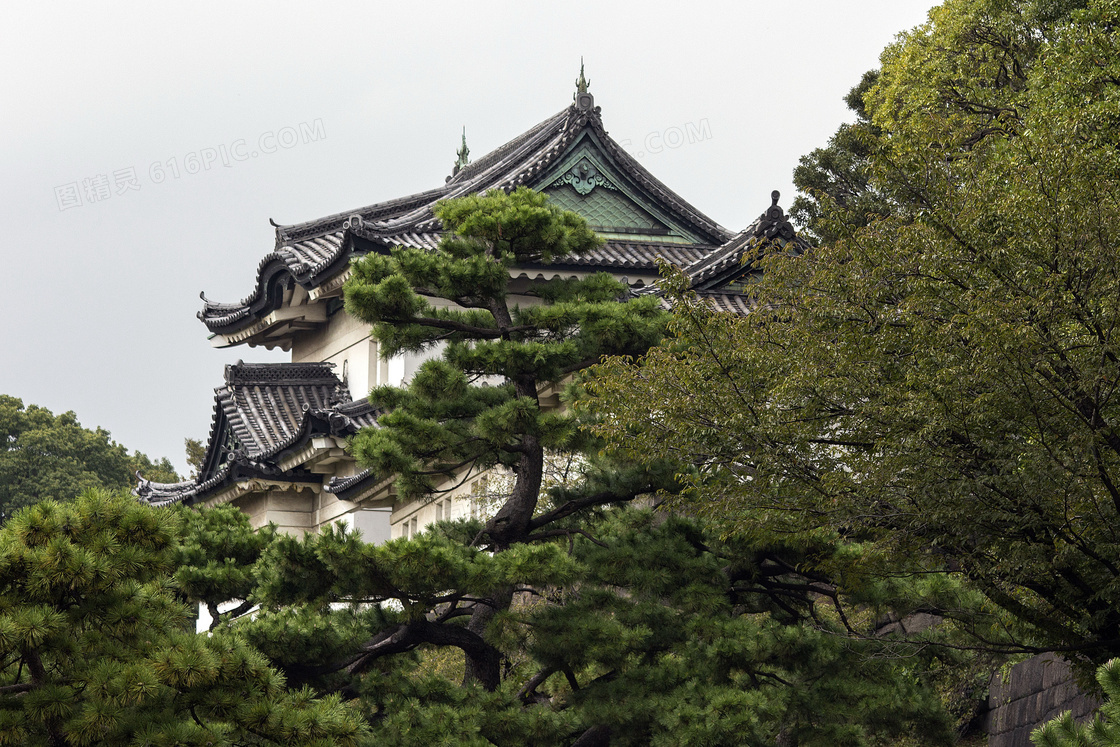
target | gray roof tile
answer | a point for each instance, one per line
(264, 411)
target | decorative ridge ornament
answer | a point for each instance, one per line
(584, 100)
(582, 83)
(281, 374)
(462, 153)
(773, 224)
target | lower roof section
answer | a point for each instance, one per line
(277, 422)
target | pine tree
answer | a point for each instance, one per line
(478, 405)
(565, 618)
(96, 647)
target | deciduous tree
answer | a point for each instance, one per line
(942, 381)
(47, 456)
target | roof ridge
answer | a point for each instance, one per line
(335, 222)
(278, 374)
(523, 160)
(474, 168)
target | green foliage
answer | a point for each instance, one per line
(196, 452)
(477, 405)
(98, 650)
(48, 456)
(214, 562)
(161, 471)
(651, 626)
(939, 382)
(572, 617)
(839, 175)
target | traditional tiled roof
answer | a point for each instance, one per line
(309, 253)
(266, 416)
(350, 488)
(718, 276)
(634, 254)
(732, 260)
(728, 301)
(265, 412)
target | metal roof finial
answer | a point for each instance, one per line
(462, 153)
(582, 83)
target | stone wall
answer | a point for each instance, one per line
(1032, 693)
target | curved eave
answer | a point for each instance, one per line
(300, 460)
(276, 328)
(363, 486)
(279, 274)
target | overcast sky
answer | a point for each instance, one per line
(142, 149)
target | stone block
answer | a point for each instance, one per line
(1055, 671)
(1063, 693)
(996, 720)
(1006, 739)
(999, 691)
(1026, 678)
(1084, 707)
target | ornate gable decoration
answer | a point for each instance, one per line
(731, 266)
(583, 177)
(619, 209)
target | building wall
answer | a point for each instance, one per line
(345, 342)
(290, 509)
(467, 500)
(1032, 693)
(371, 523)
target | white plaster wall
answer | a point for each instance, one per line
(460, 503)
(340, 332)
(371, 523)
(345, 341)
(290, 509)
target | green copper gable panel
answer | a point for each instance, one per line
(587, 181)
(606, 210)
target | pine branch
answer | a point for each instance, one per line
(602, 498)
(20, 687)
(410, 635)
